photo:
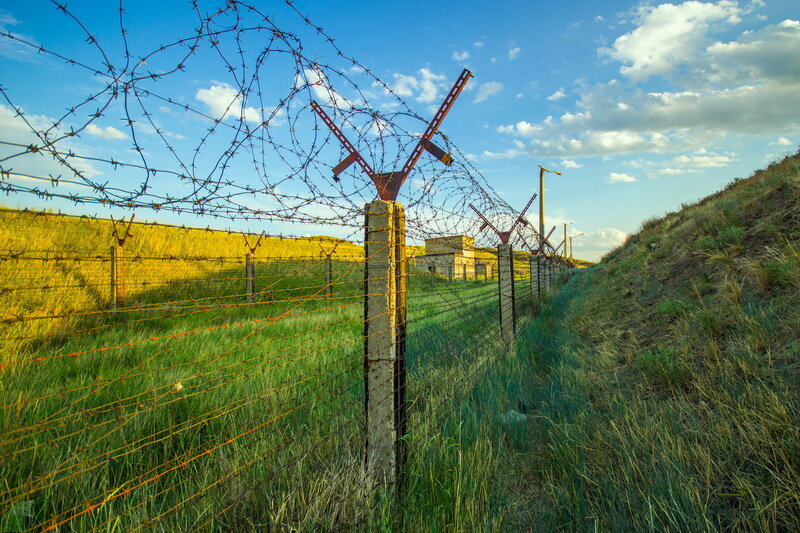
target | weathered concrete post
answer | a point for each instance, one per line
(114, 292)
(385, 281)
(450, 272)
(328, 276)
(464, 267)
(534, 277)
(250, 277)
(505, 277)
(545, 275)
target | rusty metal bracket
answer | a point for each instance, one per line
(504, 235)
(116, 233)
(388, 184)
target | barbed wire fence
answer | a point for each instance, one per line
(171, 376)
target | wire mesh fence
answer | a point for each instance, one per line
(165, 376)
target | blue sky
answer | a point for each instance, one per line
(643, 106)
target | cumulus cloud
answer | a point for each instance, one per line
(558, 95)
(16, 130)
(321, 88)
(771, 53)
(460, 56)
(426, 86)
(703, 161)
(109, 132)
(669, 171)
(781, 141)
(224, 101)
(591, 246)
(668, 35)
(490, 88)
(568, 163)
(747, 85)
(618, 177)
(514, 52)
(478, 44)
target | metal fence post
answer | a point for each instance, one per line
(384, 340)
(250, 275)
(505, 277)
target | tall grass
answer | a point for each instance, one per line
(227, 415)
(666, 392)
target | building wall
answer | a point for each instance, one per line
(458, 244)
(456, 265)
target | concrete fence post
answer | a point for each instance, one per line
(328, 276)
(464, 268)
(505, 277)
(534, 277)
(450, 272)
(113, 285)
(546, 275)
(385, 281)
(117, 286)
(250, 277)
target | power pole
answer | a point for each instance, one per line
(565, 237)
(542, 170)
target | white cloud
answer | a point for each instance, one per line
(379, 127)
(478, 44)
(592, 245)
(521, 128)
(599, 18)
(675, 171)
(514, 52)
(568, 163)
(781, 141)
(16, 130)
(558, 95)
(617, 177)
(488, 89)
(668, 35)
(460, 56)
(425, 87)
(13, 48)
(703, 161)
(735, 88)
(769, 54)
(321, 88)
(224, 101)
(109, 132)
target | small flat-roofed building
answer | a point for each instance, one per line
(452, 257)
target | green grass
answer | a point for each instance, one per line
(666, 384)
(255, 418)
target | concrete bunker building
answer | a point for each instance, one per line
(454, 258)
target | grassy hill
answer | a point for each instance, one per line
(664, 390)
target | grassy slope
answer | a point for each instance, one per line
(665, 389)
